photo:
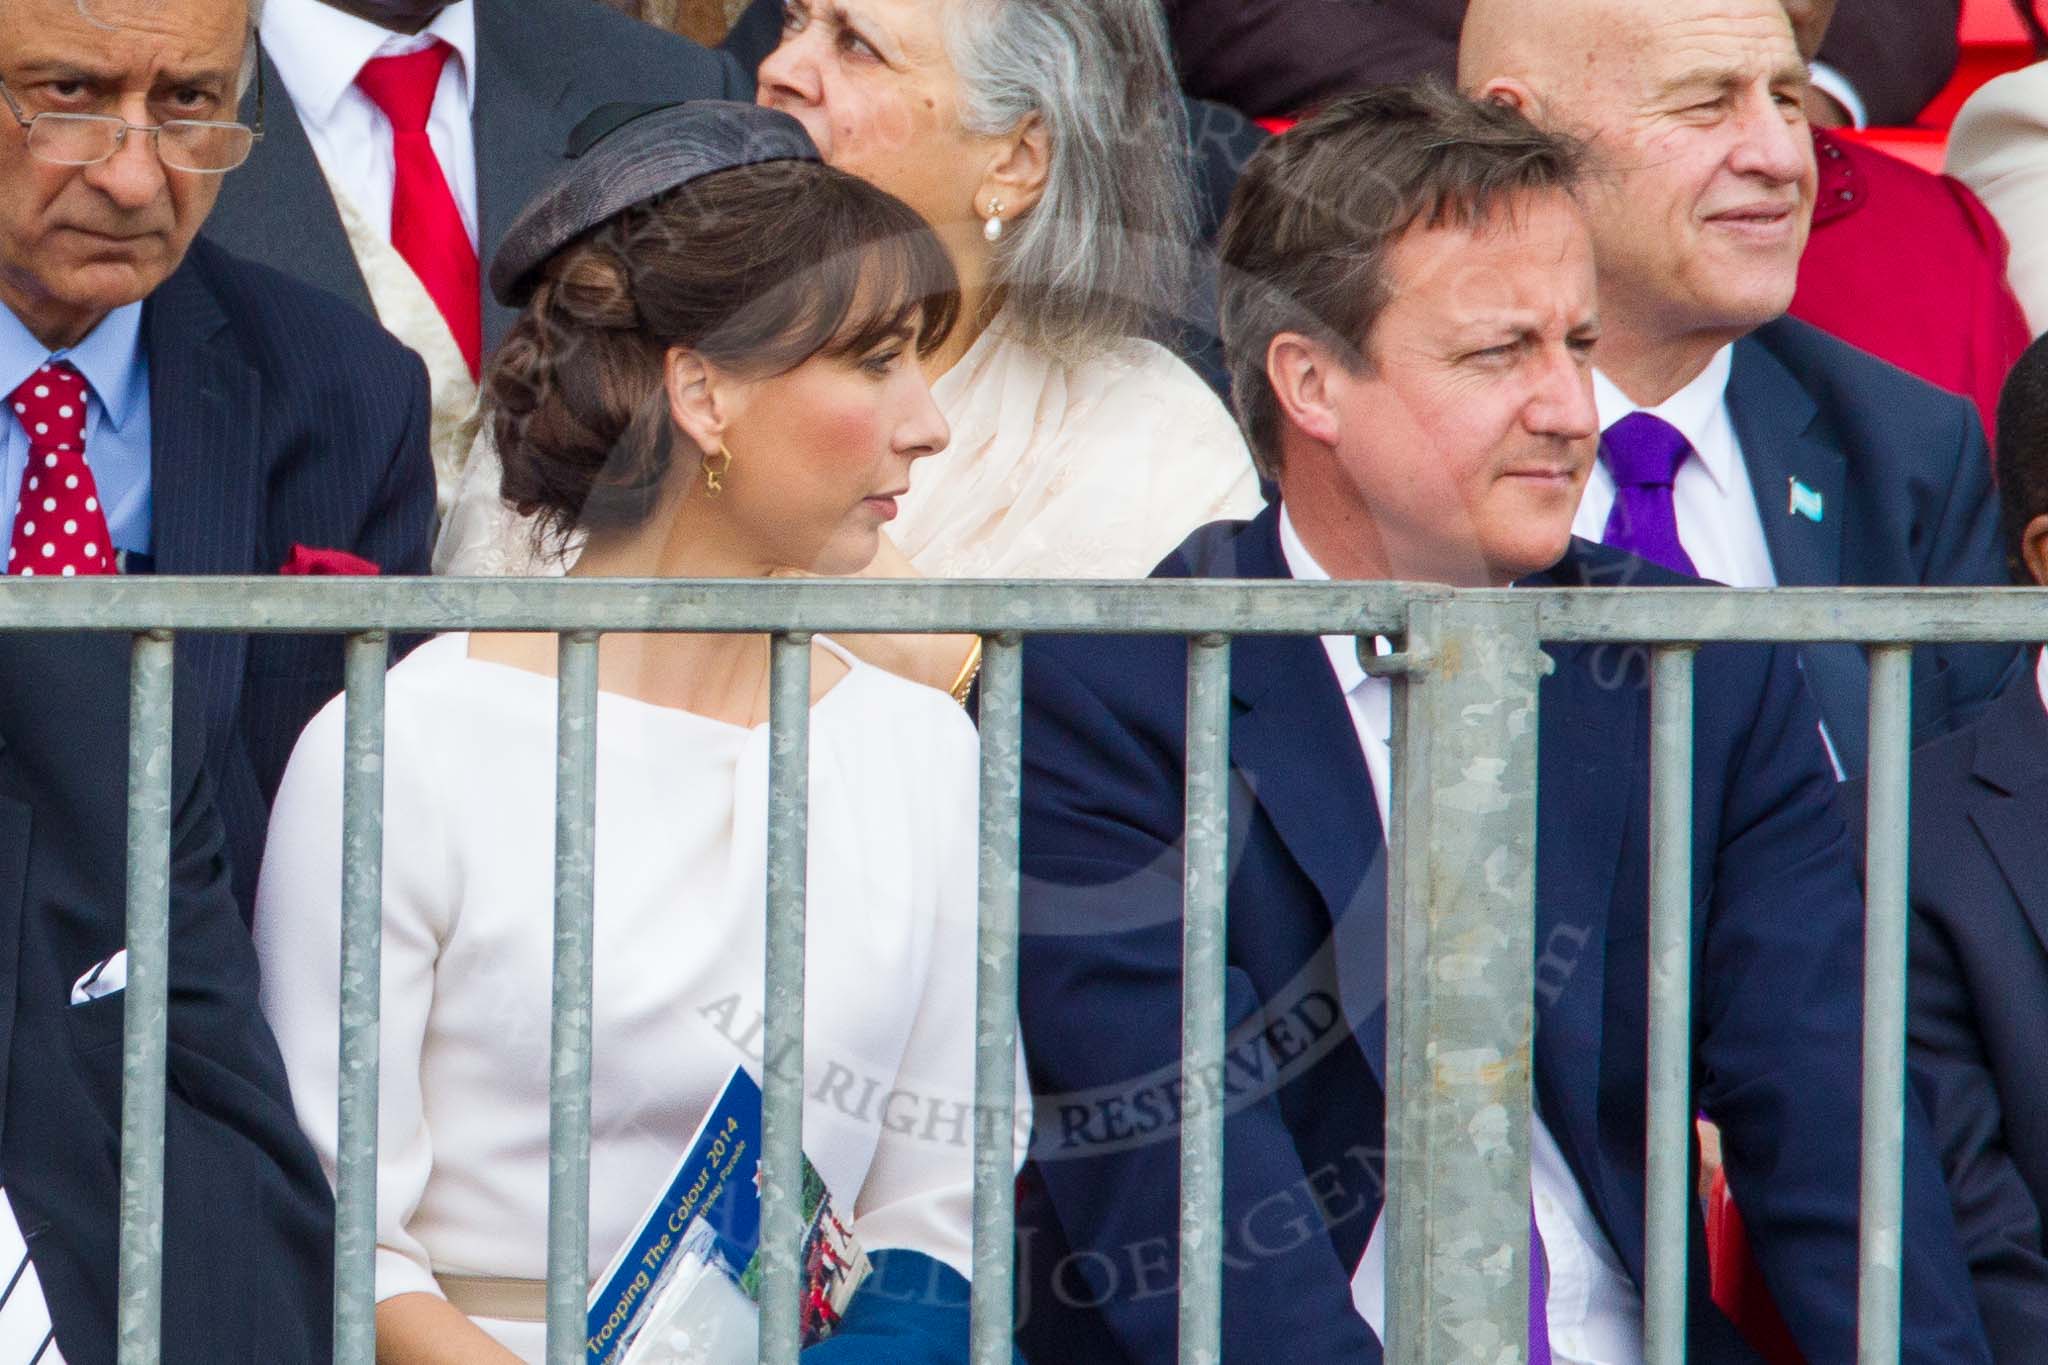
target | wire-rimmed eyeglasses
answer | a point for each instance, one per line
(204, 146)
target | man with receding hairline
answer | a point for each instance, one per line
(1739, 444)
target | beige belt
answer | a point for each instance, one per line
(490, 1296)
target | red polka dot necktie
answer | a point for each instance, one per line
(59, 526)
(426, 224)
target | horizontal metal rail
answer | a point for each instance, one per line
(1152, 607)
(1465, 694)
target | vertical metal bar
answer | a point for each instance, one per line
(782, 1071)
(995, 1001)
(1884, 1007)
(1204, 940)
(362, 938)
(1461, 982)
(569, 1063)
(1669, 1151)
(144, 1013)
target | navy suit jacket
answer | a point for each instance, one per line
(281, 417)
(1777, 1015)
(1979, 989)
(248, 1220)
(1906, 500)
(542, 66)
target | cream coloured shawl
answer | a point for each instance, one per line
(1093, 470)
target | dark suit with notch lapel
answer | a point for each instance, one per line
(248, 1218)
(1979, 991)
(280, 417)
(542, 67)
(1777, 1000)
(1906, 500)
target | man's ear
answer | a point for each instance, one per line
(1513, 92)
(1017, 171)
(2034, 549)
(1301, 373)
(694, 402)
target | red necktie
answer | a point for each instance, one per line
(59, 525)
(426, 224)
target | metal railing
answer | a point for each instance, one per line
(1467, 670)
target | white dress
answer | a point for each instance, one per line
(681, 854)
(1096, 470)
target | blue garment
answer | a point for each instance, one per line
(1903, 478)
(1777, 1018)
(117, 427)
(1979, 982)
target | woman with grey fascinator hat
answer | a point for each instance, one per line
(715, 375)
(1042, 141)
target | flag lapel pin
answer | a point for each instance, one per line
(1806, 502)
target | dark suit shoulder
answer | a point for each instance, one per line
(1211, 551)
(288, 329)
(1839, 376)
(593, 42)
(263, 304)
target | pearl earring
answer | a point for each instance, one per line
(992, 230)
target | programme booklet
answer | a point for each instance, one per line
(685, 1287)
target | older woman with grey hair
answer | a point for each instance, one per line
(1043, 140)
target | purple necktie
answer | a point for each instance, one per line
(1643, 454)
(1539, 1297)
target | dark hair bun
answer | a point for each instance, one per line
(756, 269)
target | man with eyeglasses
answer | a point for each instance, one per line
(170, 407)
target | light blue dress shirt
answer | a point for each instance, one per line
(116, 370)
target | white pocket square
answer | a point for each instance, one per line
(102, 979)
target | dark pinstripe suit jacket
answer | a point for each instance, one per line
(281, 416)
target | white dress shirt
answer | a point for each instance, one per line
(26, 1337)
(1595, 1312)
(318, 50)
(1717, 518)
(2041, 677)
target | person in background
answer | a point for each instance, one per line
(1280, 58)
(1739, 444)
(403, 135)
(170, 407)
(1909, 266)
(1978, 1020)
(1041, 141)
(1998, 146)
(715, 375)
(1413, 352)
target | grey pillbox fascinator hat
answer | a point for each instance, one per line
(626, 154)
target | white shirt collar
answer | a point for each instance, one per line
(1342, 649)
(1694, 410)
(318, 50)
(2041, 677)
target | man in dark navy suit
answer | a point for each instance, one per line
(1979, 892)
(248, 1219)
(195, 413)
(1412, 354)
(1783, 456)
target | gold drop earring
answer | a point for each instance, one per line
(715, 469)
